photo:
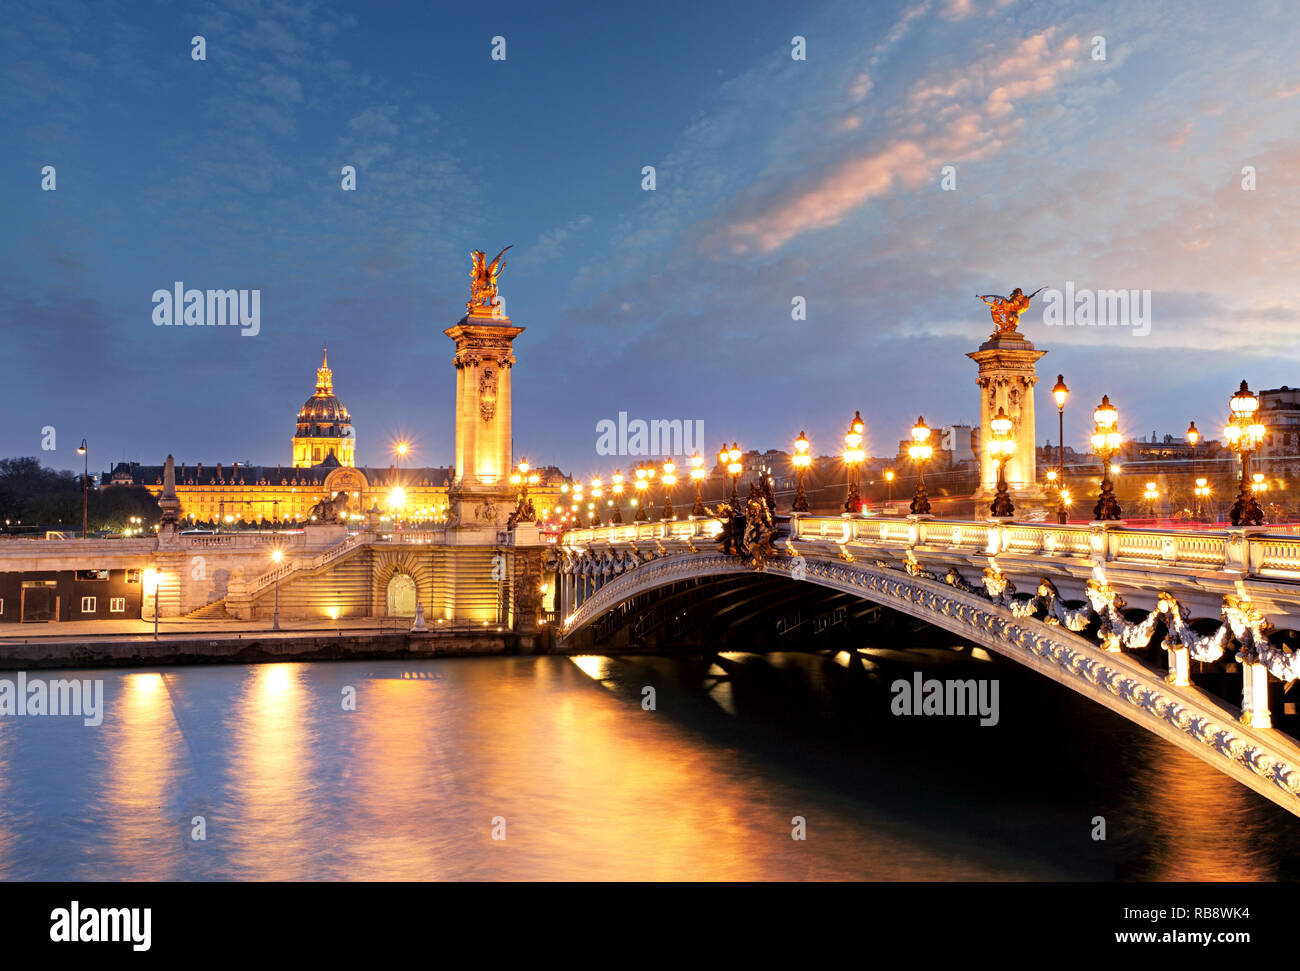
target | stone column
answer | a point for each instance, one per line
(1179, 667)
(483, 417)
(1254, 695)
(1006, 379)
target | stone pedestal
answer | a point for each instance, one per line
(1006, 379)
(321, 536)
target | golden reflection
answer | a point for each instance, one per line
(272, 766)
(592, 666)
(401, 789)
(144, 751)
(1182, 803)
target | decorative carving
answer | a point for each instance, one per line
(487, 393)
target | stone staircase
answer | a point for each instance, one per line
(210, 611)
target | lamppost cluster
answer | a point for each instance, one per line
(1244, 434)
(1106, 440)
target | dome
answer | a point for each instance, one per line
(323, 415)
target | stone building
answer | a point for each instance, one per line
(321, 466)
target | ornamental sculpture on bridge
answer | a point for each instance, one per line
(1006, 311)
(483, 283)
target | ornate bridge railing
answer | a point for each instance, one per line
(1252, 552)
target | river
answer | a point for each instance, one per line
(561, 758)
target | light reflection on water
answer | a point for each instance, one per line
(590, 785)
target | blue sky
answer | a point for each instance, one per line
(776, 178)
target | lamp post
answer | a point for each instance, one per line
(734, 468)
(801, 460)
(1151, 494)
(1002, 446)
(697, 476)
(920, 451)
(729, 458)
(1105, 443)
(150, 578)
(853, 456)
(1244, 434)
(597, 491)
(576, 505)
(669, 479)
(642, 486)
(84, 452)
(1060, 392)
(889, 487)
(276, 557)
(618, 497)
(1202, 491)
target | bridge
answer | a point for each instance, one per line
(1142, 621)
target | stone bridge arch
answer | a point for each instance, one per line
(1265, 760)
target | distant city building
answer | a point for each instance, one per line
(322, 466)
(1279, 411)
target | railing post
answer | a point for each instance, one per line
(1254, 695)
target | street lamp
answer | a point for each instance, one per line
(920, 451)
(642, 486)
(889, 487)
(1060, 392)
(1002, 446)
(597, 491)
(697, 476)
(150, 578)
(84, 452)
(577, 505)
(730, 459)
(618, 496)
(853, 456)
(1202, 491)
(669, 479)
(1151, 494)
(1105, 443)
(1244, 434)
(801, 461)
(276, 557)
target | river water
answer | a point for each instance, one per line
(561, 757)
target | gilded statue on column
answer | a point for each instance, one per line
(483, 283)
(1006, 311)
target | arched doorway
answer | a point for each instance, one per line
(401, 596)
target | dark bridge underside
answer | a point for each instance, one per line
(764, 612)
(745, 612)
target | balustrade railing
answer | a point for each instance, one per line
(1237, 551)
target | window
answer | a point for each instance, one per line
(87, 605)
(133, 576)
(117, 605)
(92, 574)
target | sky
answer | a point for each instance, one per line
(1171, 165)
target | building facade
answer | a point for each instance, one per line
(238, 495)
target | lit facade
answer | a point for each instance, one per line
(223, 494)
